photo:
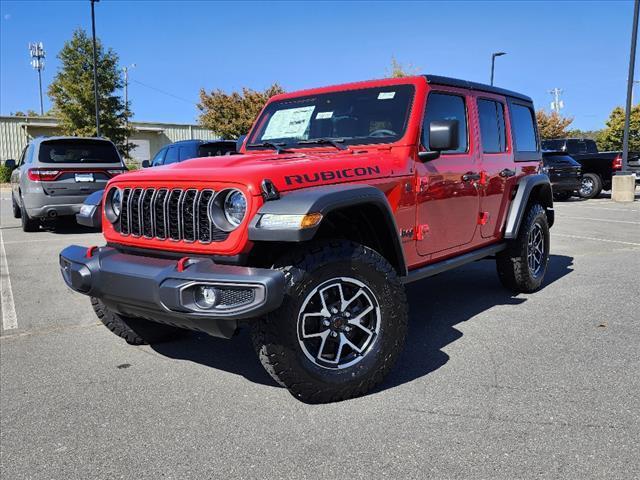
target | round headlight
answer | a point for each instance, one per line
(116, 202)
(113, 205)
(235, 207)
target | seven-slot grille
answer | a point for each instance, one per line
(164, 213)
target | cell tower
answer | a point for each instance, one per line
(36, 50)
(556, 104)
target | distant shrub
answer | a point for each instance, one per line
(5, 174)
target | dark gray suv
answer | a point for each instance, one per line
(55, 174)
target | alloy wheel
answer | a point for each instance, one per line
(586, 187)
(535, 249)
(338, 323)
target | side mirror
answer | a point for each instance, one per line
(443, 136)
(10, 164)
(239, 142)
(145, 164)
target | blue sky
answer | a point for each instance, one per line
(181, 46)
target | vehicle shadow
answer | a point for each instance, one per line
(437, 305)
(66, 225)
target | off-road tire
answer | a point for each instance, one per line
(596, 182)
(28, 224)
(513, 264)
(276, 338)
(136, 331)
(16, 209)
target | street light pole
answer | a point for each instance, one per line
(632, 63)
(95, 67)
(493, 62)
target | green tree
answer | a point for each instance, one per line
(72, 92)
(28, 113)
(398, 70)
(610, 138)
(231, 115)
(552, 125)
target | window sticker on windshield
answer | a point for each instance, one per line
(324, 115)
(289, 123)
(386, 95)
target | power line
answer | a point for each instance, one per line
(163, 92)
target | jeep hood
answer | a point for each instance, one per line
(287, 171)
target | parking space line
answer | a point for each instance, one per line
(9, 317)
(595, 239)
(600, 219)
(569, 205)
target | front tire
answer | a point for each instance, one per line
(136, 331)
(340, 327)
(591, 186)
(523, 264)
(16, 209)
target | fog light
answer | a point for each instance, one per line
(206, 296)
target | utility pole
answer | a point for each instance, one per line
(36, 50)
(493, 62)
(95, 67)
(557, 104)
(126, 88)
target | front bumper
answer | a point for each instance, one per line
(158, 290)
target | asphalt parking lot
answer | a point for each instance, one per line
(490, 385)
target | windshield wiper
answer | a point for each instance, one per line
(336, 142)
(276, 146)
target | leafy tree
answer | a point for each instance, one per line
(72, 92)
(399, 70)
(610, 138)
(231, 115)
(577, 133)
(28, 113)
(552, 125)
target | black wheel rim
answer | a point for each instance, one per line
(338, 323)
(535, 250)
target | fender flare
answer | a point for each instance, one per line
(526, 185)
(324, 200)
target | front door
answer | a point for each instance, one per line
(447, 187)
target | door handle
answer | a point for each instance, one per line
(467, 177)
(506, 173)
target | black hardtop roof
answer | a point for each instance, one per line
(456, 82)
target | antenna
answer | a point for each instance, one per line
(556, 104)
(36, 50)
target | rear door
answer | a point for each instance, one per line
(498, 168)
(75, 167)
(447, 196)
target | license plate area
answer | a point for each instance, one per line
(84, 177)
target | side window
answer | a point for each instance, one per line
(172, 155)
(159, 158)
(22, 156)
(524, 132)
(28, 158)
(187, 152)
(491, 116)
(442, 106)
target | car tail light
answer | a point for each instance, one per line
(113, 173)
(43, 174)
(616, 164)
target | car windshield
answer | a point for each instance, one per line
(78, 151)
(553, 145)
(365, 116)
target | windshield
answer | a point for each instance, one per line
(366, 116)
(78, 151)
(555, 145)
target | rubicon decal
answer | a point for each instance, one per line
(329, 175)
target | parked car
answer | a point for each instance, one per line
(597, 167)
(55, 174)
(186, 149)
(564, 172)
(342, 195)
(90, 214)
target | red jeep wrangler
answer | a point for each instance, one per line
(341, 196)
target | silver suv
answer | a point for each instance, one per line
(55, 174)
